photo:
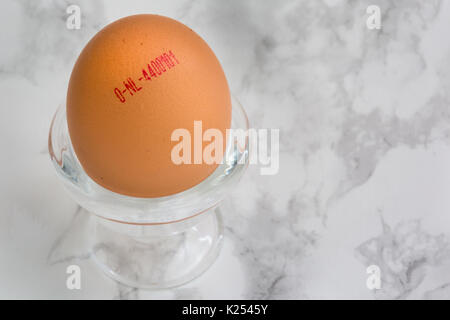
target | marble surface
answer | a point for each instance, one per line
(364, 173)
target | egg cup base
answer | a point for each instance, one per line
(158, 256)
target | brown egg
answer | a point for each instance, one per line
(134, 83)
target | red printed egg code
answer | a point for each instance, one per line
(154, 69)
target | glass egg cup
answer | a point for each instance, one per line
(153, 242)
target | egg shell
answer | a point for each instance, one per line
(121, 115)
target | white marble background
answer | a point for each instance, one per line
(365, 149)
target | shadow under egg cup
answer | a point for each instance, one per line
(153, 242)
